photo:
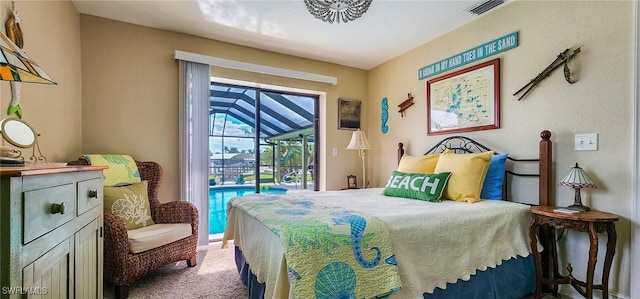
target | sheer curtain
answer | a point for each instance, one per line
(194, 140)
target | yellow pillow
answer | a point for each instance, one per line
(418, 164)
(468, 172)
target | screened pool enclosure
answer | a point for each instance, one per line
(259, 136)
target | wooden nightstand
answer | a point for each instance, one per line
(592, 222)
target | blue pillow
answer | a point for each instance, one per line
(492, 187)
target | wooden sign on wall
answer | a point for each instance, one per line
(485, 50)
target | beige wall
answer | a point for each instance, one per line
(130, 94)
(600, 102)
(54, 111)
(119, 94)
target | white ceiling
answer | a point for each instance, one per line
(388, 29)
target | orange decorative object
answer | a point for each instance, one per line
(12, 26)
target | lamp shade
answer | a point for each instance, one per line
(15, 65)
(358, 141)
(577, 178)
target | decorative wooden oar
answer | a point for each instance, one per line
(405, 105)
(562, 59)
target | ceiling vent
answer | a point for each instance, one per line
(483, 6)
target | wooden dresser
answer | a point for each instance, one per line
(51, 232)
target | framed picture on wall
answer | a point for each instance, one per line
(352, 182)
(348, 114)
(466, 100)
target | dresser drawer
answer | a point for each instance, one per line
(45, 209)
(89, 195)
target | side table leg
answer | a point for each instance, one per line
(533, 235)
(608, 259)
(593, 255)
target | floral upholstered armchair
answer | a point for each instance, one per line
(129, 254)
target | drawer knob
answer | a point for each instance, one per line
(93, 193)
(58, 208)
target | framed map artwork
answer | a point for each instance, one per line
(464, 101)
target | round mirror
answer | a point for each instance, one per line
(18, 132)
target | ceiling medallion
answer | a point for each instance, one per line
(337, 10)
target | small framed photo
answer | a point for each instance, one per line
(348, 114)
(352, 182)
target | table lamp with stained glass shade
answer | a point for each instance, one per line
(16, 66)
(577, 178)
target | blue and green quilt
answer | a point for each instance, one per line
(330, 252)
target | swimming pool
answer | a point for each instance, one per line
(220, 196)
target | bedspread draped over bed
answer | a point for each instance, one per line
(434, 243)
(331, 252)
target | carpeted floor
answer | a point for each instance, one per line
(214, 276)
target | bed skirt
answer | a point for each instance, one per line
(514, 279)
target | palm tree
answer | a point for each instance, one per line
(293, 154)
(266, 156)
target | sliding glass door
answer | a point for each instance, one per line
(262, 140)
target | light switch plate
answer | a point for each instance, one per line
(586, 142)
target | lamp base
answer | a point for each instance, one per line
(580, 208)
(577, 202)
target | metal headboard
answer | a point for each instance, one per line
(466, 145)
(459, 145)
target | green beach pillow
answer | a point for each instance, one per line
(131, 202)
(428, 187)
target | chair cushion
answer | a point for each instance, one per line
(157, 235)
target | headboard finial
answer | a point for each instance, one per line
(545, 160)
(546, 135)
(400, 151)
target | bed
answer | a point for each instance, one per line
(364, 244)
